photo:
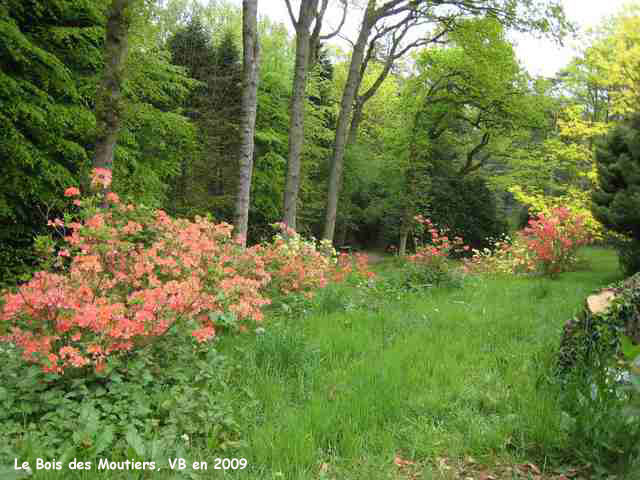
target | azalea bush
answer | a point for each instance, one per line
(507, 255)
(354, 266)
(124, 275)
(300, 268)
(295, 264)
(430, 265)
(548, 245)
(554, 239)
(576, 200)
(439, 246)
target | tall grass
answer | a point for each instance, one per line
(450, 372)
(446, 372)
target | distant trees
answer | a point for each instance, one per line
(392, 20)
(167, 94)
(207, 180)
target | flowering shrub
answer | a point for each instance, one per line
(297, 265)
(554, 239)
(441, 246)
(125, 275)
(356, 264)
(429, 265)
(548, 245)
(577, 200)
(507, 255)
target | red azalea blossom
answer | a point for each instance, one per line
(71, 192)
(112, 197)
(101, 176)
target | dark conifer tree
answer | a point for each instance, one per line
(206, 183)
(616, 203)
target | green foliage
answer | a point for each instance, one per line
(142, 406)
(595, 339)
(43, 95)
(18, 262)
(206, 180)
(208, 47)
(629, 256)
(442, 371)
(468, 208)
(415, 277)
(473, 99)
(49, 55)
(593, 411)
(598, 399)
(51, 60)
(616, 203)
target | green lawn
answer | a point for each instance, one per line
(448, 372)
(440, 377)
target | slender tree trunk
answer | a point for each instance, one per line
(344, 118)
(355, 121)
(404, 234)
(251, 60)
(343, 231)
(296, 112)
(412, 189)
(109, 98)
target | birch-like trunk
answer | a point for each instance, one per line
(344, 119)
(109, 97)
(296, 110)
(251, 59)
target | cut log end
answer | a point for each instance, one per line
(600, 302)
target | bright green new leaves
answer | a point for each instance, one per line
(473, 96)
(616, 53)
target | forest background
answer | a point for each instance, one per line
(444, 119)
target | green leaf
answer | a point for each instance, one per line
(105, 437)
(9, 473)
(134, 440)
(629, 350)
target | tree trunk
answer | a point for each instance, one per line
(404, 235)
(251, 59)
(412, 189)
(342, 129)
(109, 97)
(342, 235)
(355, 121)
(296, 112)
